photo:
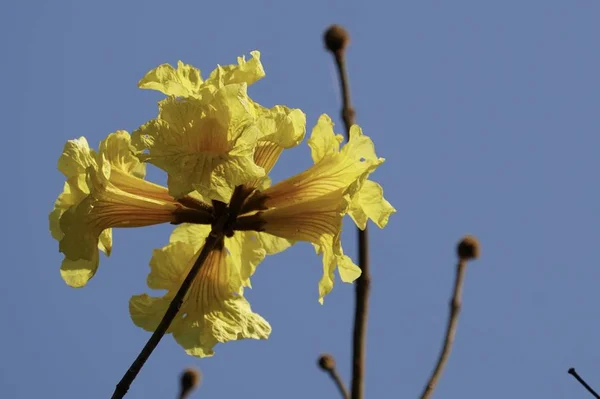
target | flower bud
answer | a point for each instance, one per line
(468, 248)
(336, 39)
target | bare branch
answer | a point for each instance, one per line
(327, 364)
(336, 41)
(582, 382)
(468, 249)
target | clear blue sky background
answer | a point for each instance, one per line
(487, 114)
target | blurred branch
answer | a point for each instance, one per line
(336, 41)
(468, 249)
(582, 382)
(190, 379)
(327, 364)
(136, 366)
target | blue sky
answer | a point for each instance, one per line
(487, 114)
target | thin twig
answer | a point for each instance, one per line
(327, 364)
(336, 40)
(339, 383)
(582, 382)
(468, 248)
(136, 366)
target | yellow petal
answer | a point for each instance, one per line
(244, 72)
(70, 196)
(246, 252)
(323, 141)
(319, 222)
(348, 270)
(281, 125)
(213, 311)
(247, 248)
(280, 128)
(192, 234)
(108, 206)
(105, 241)
(232, 320)
(206, 147)
(169, 265)
(116, 149)
(368, 203)
(76, 158)
(185, 81)
(308, 220)
(333, 169)
(77, 273)
(273, 244)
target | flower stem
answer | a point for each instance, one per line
(123, 386)
(336, 40)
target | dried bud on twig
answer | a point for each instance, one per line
(336, 38)
(326, 362)
(468, 248)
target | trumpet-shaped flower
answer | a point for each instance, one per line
(104, 189)
(310, 206)
(215, 310)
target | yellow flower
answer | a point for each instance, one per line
(217, 147)
(104, 189)
(208, 133)
(214, 310)
(310, 206)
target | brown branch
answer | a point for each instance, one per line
(136, 366)
(582, 382)
(336, 40)
(327, 364)
(468, 249)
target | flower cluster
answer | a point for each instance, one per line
(217, 147)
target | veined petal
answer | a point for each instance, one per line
(208, 147)
(307, 220)
(185, 81)
(246, 252)
(109, 194)
(108, 206)
(76, 158)
(116, 149)
(334, 169)
(323, 141)
(319, 222)
(281, 125)
(191, 234)
(213, 311)
(280, 128)
(247, 248)
(169, 265)
(368, 203)
(272, 244)
(231, 321)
